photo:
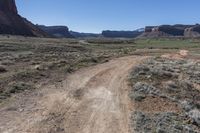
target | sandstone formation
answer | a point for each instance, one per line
(12, 23)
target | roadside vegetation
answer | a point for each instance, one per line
(166, 96)
(28, 63)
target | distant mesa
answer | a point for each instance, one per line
(122, 34)
(12, 23)
(109, 34)
(84, 35)
(178, 30)
(57, 31)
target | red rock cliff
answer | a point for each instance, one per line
(12, 23)
(8, 6)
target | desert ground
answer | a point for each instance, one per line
(99, 85)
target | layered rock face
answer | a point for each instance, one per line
(12, 23)
(172, 31)
(57, 31)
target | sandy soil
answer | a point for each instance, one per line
(180, 55)
(92, 100)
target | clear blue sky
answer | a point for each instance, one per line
(98, 15)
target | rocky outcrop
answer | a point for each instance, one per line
(12, 23)
(57, 31)
(172, 31)
(121, 34)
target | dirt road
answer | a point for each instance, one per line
(92, 100)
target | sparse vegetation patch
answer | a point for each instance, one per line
(175, 81)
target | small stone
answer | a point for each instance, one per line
(39, 67)
(21, 110)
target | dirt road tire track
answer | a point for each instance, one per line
(92, 100)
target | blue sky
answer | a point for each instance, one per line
(97, 15)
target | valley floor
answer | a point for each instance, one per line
(99, 85)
